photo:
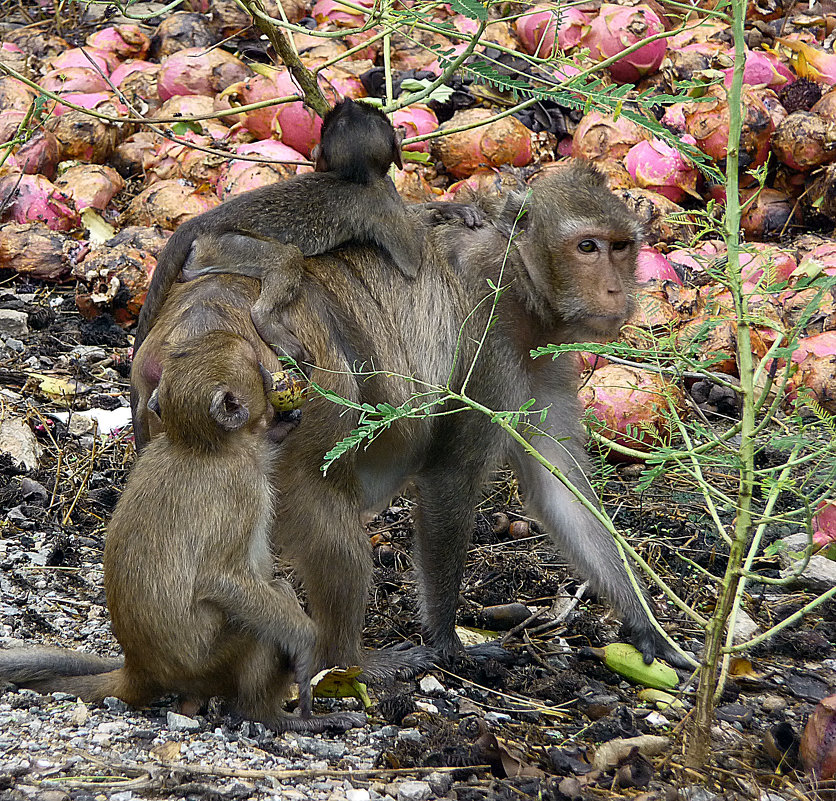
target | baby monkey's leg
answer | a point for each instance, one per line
(279, 268)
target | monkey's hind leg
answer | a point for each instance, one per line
(278, 286)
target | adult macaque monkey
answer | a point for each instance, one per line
(568, 276)
(187, 562)
(350, 198)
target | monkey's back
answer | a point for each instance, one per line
(181, 511)
(355, 313)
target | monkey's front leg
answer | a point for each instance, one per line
(580, 537)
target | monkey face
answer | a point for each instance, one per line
(579, 245)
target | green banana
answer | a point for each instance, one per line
(623, 658)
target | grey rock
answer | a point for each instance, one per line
(13, 323)
(414, 791)
(323, 749)
(14, 344)
(410, 735)
(440, 783)
(697, 793)
(115, 704)
(819, 575)
(772, 704)
(744, 627)
(177, 722)
(17, 439)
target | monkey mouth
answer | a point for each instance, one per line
(604, 325)
(283, 423)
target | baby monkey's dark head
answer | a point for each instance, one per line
(358, 143)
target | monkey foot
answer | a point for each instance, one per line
(399, 662)
(338, 722)
(489, 650)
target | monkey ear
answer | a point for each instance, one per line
(227, 410)
(513, 216)
(400, 135)
(320, 164)
(154, 403)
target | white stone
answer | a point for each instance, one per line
(744, 627)
(17, 439)
(176, 722)
(430, 685)
(414, 791)
(13, 323)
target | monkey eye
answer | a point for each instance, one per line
(587, 246)
(621, 245)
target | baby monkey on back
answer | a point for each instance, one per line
(265, 233)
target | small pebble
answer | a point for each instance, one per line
(358, 794)
(772, 704)
(430, 685)
(13, 324)
(414, 791)
(324, 749)
(176, 722)
(440, 783)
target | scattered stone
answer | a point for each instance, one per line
(14, 344)
(60, 795)
(414, 791)
(17, 439)
(31, 490)
(744, 627)
(80, 714)
(430, 685)
(331, 750)
(773, 704)
(657, 720)
(819, 575)
(358, 794)
(440, 783)
(115, 704)
(410, 735)
(736, 713)
(177, 722)
(13, 323)
(697, 793)
(497, 717)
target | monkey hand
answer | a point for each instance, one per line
(470, 216)
(653, 646)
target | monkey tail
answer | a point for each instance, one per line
(48, 670)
